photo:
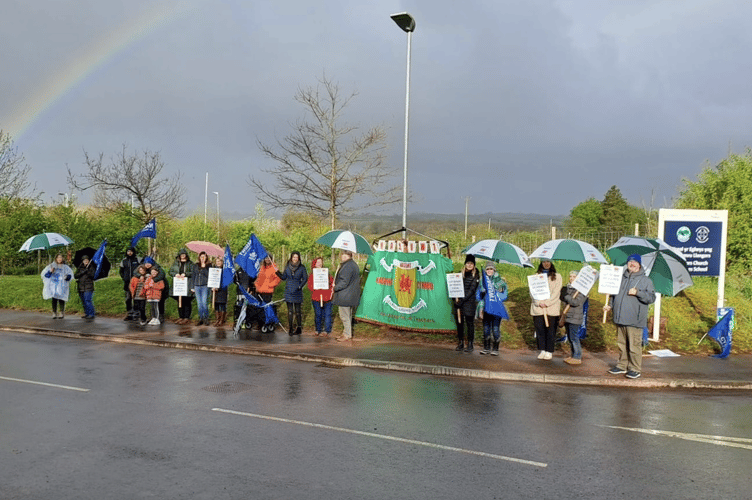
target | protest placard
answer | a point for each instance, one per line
(215, 277)
(180, 286)
(455, 286)
(610, 279)
(320, 278)
(585, 280)
(538, 285)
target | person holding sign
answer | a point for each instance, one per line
(630, 308)
(220, 296)
(321, 285)
(182, 268)
(573, 318)
(466, 305)
(545, 312)
(200, 286)
(492, 292)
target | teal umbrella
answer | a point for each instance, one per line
(499, 251)
(663, 264)
(346, 240)
(571, 250)
(45, 241)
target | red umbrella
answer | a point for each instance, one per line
(210, 248)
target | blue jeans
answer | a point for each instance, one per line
(491, 324)
(574, 340)
(88, 302)
(202, 295)
(323, 316)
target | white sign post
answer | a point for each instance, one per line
(321, 281)
(610, 281)
(538, 285)
(214, 281)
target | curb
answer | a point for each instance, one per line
(444, 371)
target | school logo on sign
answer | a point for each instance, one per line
(683, 234)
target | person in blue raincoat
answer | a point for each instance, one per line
(491, 294)
(56, 278)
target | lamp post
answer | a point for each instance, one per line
(217, 193)
(407, 24)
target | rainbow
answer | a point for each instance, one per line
(74, 74)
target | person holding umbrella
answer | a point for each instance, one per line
(56, 279)
(630, 307)
(85, 279)
(346, 292)
(546, 312)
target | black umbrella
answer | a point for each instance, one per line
(78, 257)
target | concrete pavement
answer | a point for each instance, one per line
(698, 372)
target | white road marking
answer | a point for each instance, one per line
(733, 442)
(383, 436)
(44, 383)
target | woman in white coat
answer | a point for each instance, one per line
(56, 278)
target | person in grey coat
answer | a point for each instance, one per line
(630, 308)
(573, 318)
(346, 292)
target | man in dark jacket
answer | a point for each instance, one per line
(630, 306)
(128, 267)
(347, 292)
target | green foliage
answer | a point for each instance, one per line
(19, 220)
(586, 215)
(727, 186)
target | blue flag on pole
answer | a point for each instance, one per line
(582, 332)
(149, 231)
(98, 256)
(228, 268)
(721, 332)
(251, 256)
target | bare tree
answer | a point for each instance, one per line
(326, 167)
(131, 178)
(14, 172)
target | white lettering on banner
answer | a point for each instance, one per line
(405, 310)
(407, 265)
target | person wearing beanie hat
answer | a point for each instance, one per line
(465, 315)
(630, 307)
(572, 318)
(128, 269)
(492, 292)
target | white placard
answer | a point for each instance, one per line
(401, 246)
(434, 246)
(215, 277)
(381, 245)
(455, 285)
(610, 279)
(585, 280)
(321, 278)
(423, 246)
(391, 246)
(180, 287)
(538, 285)
(412, 246)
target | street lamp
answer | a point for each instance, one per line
(217, 193)
(407, 24)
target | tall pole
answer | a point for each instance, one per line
(467, 203)
(206, 195)
(217, 193)
(407, 132)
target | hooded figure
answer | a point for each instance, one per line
(182, 267)
(128, 269)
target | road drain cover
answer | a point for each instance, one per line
(228, 387)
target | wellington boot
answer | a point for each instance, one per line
(495, 350)
(486, 346)
(460, 347)
(469, 347)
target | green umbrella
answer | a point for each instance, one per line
(346, 240)
(571, 250)
(663, 264)
(45, 241)
(499, 251)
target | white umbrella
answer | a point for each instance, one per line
(499, 251)
(571, 250)
(45, 241)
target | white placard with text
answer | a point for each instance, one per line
(538, 285)
(610, 279)
(320, 278)
(180, 287)
(455, 285)
(215, 277)
(585, 280)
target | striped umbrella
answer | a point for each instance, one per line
(571, 250)
(346, 240)
(45, 241)
(499, 251)
(663, 264)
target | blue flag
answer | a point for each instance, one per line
(582, 332)
(251, 256)
(721, 332)
(149, 231)
(98, 256)
(228, 268)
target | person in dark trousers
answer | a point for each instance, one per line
(573, 318)
(492, 292)
(547, 310)
(84, 276)
(220, 298)
(295, 277)
(183, 268)
(138, 292)
(321, 300)
(630, 307)
(199, 285)
(465, 306)
(346, 292)
(128, 267)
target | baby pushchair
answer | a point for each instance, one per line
(250, 309)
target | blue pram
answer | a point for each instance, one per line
(253, 309)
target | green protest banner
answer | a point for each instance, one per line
(407, 291)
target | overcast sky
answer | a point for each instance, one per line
(528, 106)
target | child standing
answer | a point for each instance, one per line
(220, 297)
(492, 292)
(153, 294)
(138, 294)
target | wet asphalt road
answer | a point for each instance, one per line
(163, 423)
